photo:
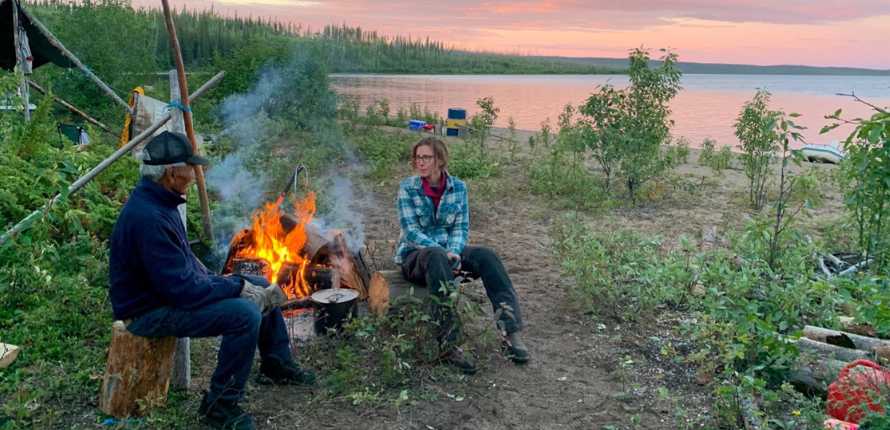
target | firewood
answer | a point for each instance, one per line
(351, 268)
(378, 295)
(8, 354)
(870, 344)
(137, 374)
(851, 326)
(826, 350)
(812, 375)
(399, 287)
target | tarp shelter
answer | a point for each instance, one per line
(42, 51)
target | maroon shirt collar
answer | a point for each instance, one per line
(435, 193)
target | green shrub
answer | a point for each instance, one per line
(756, 130)
(467, 163)
(626, 128)
(718, 161)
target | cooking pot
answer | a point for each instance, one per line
(335, 306)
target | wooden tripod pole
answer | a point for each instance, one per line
(187, 119)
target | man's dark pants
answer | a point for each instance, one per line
(430, 266)
(243, 329)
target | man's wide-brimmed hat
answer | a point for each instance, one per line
(171, 148)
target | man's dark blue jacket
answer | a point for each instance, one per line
(152, 264)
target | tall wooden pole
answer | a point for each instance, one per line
(182, 359)
(187, 119)
(20, 62)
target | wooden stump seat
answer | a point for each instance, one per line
(137, 375)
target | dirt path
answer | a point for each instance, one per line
(583, 374)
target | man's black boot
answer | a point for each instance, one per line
(281, 372)
(458, 359)
(225, 414)
(516, 349)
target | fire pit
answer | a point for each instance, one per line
(288, 249)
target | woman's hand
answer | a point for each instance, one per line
(454, 259)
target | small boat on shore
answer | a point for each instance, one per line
(826, 153)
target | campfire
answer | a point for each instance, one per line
(286, 247)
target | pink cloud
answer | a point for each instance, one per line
(813, 32)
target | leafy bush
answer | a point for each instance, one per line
(481, 122)
(626, 128)
(677, 153)
(756, 130)
(53, 276)
(467, 163)
(718, 161)
(865, 173)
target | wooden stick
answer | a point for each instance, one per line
(187, 119)
(864, 343)
(80, 183)
(824, 349)
(73, 109)
(23, 87)
(56, 43)
(182, 358)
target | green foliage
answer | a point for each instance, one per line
(625, 129)
(756, 130)
(512, 139)
(53, 276)
(621, 274)
(480, 123)
(718, 161)
(742, 318)
(384, 152)
(465, 162)
(865, 174)
(677, 153)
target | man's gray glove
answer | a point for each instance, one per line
(255, 294)
(275, 296)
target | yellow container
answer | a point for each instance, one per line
(455, 123)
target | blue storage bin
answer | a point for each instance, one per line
(457, 113)
(452, 131)
(416, 124)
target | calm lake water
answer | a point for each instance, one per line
(706, 107)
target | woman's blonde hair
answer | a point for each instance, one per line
(438, 147)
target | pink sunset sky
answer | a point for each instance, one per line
(852, 33)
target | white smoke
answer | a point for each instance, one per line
(242, 187)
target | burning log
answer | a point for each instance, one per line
(138, 372)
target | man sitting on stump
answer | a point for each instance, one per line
(159, 288)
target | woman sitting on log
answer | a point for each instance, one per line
(435, 218)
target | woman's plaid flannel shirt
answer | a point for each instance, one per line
(423, 226)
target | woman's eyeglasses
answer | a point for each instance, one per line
(424, 158)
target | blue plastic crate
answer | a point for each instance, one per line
(457, 113)
(416, 124)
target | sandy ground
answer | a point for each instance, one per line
(586, 372)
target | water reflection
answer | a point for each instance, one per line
(705, 108)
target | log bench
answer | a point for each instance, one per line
(137, 374)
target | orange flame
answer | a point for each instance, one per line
(279, 246)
